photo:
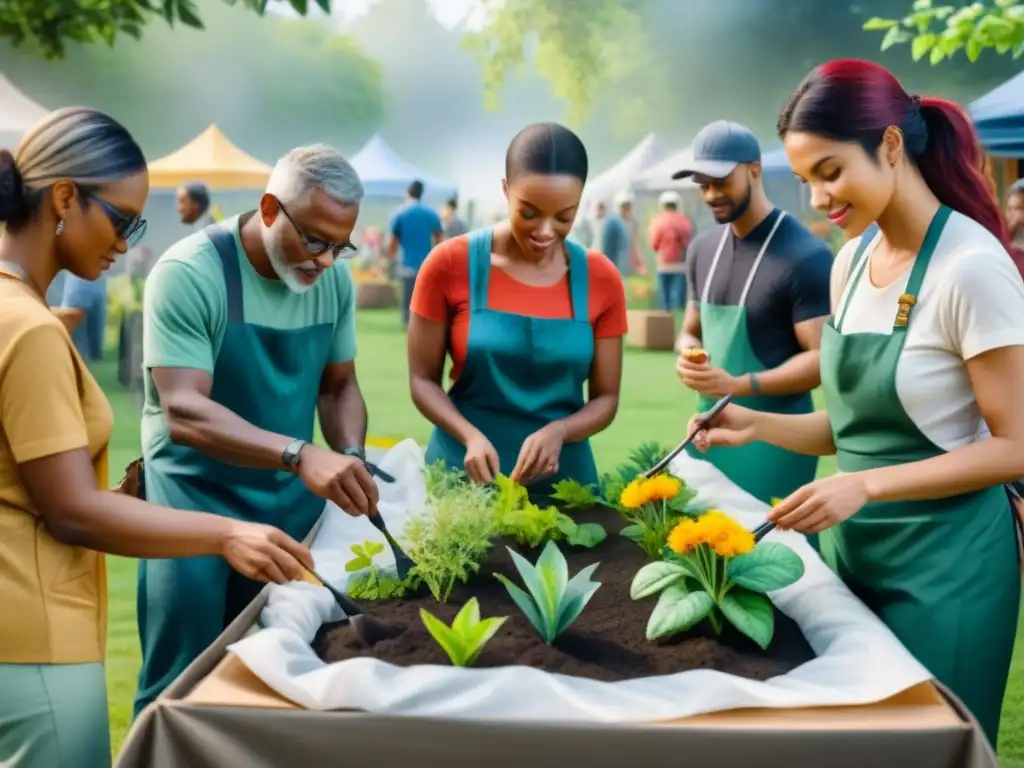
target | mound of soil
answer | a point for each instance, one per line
(605, 643)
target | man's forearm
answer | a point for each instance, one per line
(801, 373)
(216, 431)
(343, 417)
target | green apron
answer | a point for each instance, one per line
(942, 574)
(270, 377)
(760, 469)
(522, 373)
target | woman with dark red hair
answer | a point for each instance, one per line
(920, 366)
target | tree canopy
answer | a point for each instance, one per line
(574, 49)
(940, 31)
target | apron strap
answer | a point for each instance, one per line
(579, 281)
(760, 256)
(857, 267)
(706, 291)
(924, 257)
(479, 268)
(223, 240)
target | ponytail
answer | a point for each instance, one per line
(953, 165)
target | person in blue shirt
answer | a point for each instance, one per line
(415, 229)
(90, 296)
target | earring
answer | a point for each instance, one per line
(60, 227)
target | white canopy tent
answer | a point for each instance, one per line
(18, 113)
(385, 173)
(621, 175)
(658, 177)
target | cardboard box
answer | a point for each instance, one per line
(219, 715)
(651, 329)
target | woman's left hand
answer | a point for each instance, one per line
(539, 455)
(819, 505)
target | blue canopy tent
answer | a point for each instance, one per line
(999, 119)
(385, 174)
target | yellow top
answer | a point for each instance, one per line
(53, 597)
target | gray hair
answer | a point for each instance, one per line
(79, 144)
(318, 166)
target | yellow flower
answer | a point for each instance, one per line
(634, 495)
(724, 535)
(662, 487)
(685, 537)
(714, 528)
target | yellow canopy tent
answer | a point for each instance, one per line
(211, 159)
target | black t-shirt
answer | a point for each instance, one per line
(791, 284)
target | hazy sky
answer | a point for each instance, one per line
(448, 12)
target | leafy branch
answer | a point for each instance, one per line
(49, 25)
(941, 31)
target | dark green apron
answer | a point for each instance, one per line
(521, 372)
(271, 378)
(942, 574)
(760, 469)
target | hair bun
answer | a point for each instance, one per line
(12, 198)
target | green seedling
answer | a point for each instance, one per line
(467, 635)
(552, 601)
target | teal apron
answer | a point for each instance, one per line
(522, 373)
(270, 378)
(943, 574)
(760, 469)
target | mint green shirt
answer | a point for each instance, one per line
(185, 313)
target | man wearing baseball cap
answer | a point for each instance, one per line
(758, 297)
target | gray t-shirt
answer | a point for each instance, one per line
(791, 284)
(454, 227)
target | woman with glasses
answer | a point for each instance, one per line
(72, 198)
(249, 334)
(533, 325)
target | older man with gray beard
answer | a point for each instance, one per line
(249, 334)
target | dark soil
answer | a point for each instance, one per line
(605, 643)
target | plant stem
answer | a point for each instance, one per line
(716, 623)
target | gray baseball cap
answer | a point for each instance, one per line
(719, 148)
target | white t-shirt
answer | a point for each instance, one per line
(971, 301)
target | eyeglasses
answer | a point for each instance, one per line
(315, 246)
(128, 227)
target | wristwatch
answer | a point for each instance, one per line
(290, 455)
(359, 453)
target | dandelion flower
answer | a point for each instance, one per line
(662, 488)
(634, 495)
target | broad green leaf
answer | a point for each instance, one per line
(358, 564)
(467, 617)
(632, 532)
(481, 634)
(373, 548)
(877, 24)
(921, 5)
(893, 37)
(566, 525)
(587, 535)
(973, 48)
(769, 566)
(922, 44)
(654, 577)
(751, 614)
(525, 604)
(532, 581)
(554, 573)
(578, 592)
(937, 55)
(677, 610)
(446, 637)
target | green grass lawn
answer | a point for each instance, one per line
(655, 406)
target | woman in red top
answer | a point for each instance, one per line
(527, 318)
